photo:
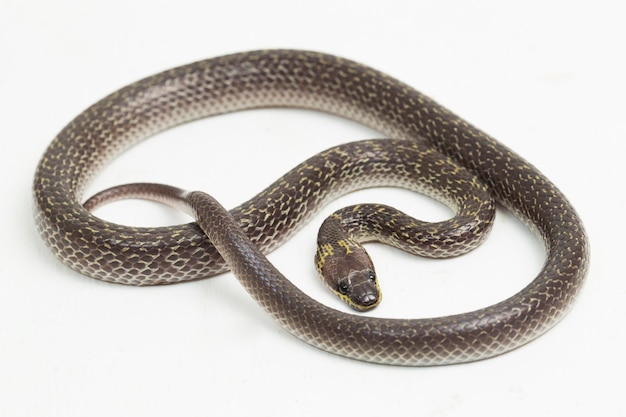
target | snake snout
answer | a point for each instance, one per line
(364, 293)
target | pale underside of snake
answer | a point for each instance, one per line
(299, 79)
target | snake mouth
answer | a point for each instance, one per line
(366, 301)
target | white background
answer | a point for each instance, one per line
(544, 77)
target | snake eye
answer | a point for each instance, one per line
(343, 287)
(372, 276)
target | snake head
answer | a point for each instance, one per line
(350, 274)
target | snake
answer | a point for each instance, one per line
(237, 240)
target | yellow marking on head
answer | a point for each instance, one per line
(346, 244)
(345, 298)
(323, 252)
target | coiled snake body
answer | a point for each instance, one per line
(283, 78)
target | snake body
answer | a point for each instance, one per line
(285, 78)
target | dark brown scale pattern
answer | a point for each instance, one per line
(145, 256)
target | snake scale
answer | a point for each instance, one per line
(309, 80)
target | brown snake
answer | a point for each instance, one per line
(283, 78)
